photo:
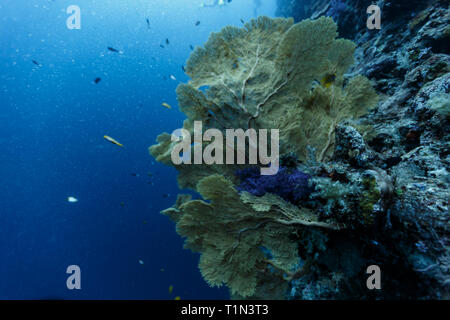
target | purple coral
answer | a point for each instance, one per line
(336, 8)
(289, 184)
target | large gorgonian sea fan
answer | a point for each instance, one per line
(270, 74)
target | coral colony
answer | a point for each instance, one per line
(345, 194)
(261, 76)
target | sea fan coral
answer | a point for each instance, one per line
(267, 75)
(234, 232)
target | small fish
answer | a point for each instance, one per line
(191, 47)
(170, 289)
(97, 80)
(113, 141)
(144, 222)
(72, 199)
(182, 68)
(36, 63)
(167, 41)
(173, 78)
(161, 46)
(141, 262)
(122, 204)
(177, 298)
(166, 195)
(166, 105)
(135, 174)
(243, 22)
(148, 23)
(113, 50)
(328, 80)
(197, 23)
(162, 270)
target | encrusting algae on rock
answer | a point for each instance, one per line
(267, 75)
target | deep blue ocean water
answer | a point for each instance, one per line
(52, 122)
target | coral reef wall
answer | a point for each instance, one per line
(364, 153)
(399, 152)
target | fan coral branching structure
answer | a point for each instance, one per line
(270, 74)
